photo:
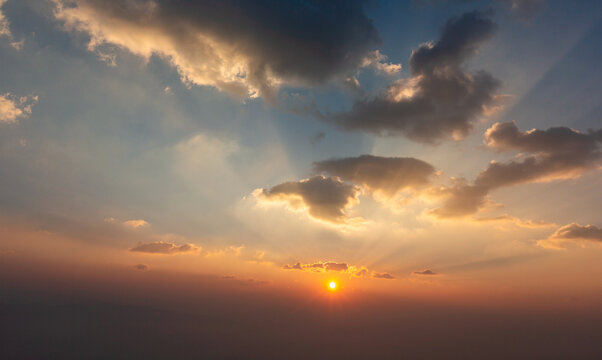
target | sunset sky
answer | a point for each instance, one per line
(437, 160)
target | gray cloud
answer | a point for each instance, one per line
(332, 266)
(160, 247)
(317, 138)
(572, 233)
(141, 267)
(326, 198)
(361, 273)
(388, 175)
(378, 275)
(425, 272)
(576, 231)
(555, 140)
(241, 47)
(440, 99)
(558, 153)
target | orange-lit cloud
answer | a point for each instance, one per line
(529, 224)
(325, 266)
(135, 224)
(165, 248)
(573, 233)
(4, 24)
(13, 108)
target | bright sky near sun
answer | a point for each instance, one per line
(411, 147)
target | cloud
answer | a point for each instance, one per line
(332, 266)
(135, 224)
(5, 30)
(324, 266)
(317, 138)
(361, 273)
(387, 175)
(531, 224)
(244, 48)
(296, 266)
(160, 247)
(440, 99)
(573, 233)
(13, 108)
(378, 275)
(319, 266)
(4, 24)
(557, 153)
(425, 272)
(325, 198)
(556, 140)
(142, 267)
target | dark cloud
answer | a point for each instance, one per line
(425, 272)
(378, 275)
(572, 233)
(555, 140)
(142, 267)
(362, 273)
(332, 266)
(317, 138)
(160, 247)
(243, 47)
(557, 153)
(325, 197)
(576, 231)
(388, 175)
(440, 99)
(458, 41)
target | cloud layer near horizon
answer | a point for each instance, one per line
(354, 271)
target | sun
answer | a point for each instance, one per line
(332, 285)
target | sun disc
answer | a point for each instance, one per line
(332, 285)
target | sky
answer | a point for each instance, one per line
(210, 167)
